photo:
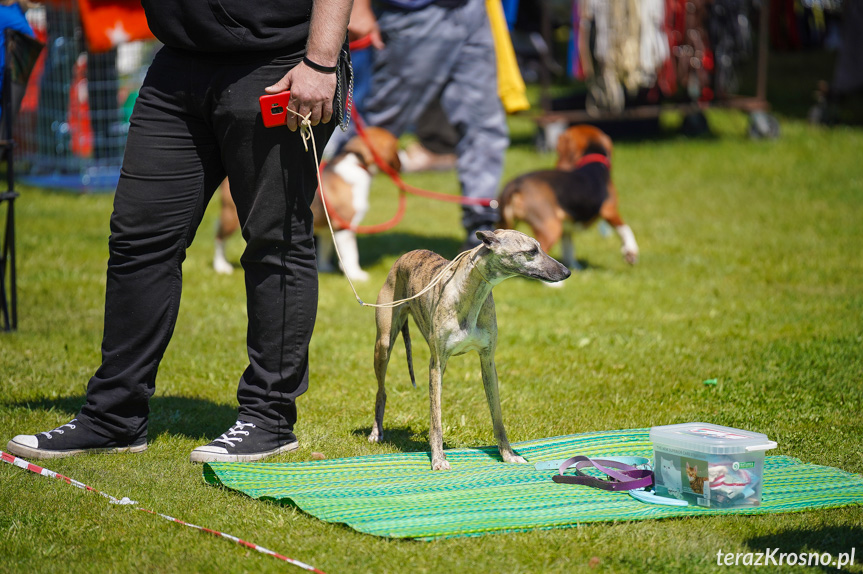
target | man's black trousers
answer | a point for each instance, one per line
(196, 120)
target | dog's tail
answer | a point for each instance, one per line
(406, 335)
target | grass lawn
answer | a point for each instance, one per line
(750, 274)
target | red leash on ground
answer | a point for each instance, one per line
(21, 463)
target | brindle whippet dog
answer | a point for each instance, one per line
(456, 316)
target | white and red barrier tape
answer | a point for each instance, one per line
(21, 463)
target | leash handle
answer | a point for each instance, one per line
(620, 476)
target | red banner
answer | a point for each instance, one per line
(109, 23)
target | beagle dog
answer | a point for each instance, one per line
(347, 180)
(576, 193)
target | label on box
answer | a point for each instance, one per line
(706, 482)
(717, 434)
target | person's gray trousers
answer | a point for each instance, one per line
(447, 52)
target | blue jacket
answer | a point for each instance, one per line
(11, 16)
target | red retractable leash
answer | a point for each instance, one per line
(403, 189)
(273, 110)
(409, 188)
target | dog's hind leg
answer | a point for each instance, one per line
(609, 212)
(489, 383)
(437, 366)
(386, 336)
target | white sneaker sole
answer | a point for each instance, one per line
(200, 454)
(25, 451)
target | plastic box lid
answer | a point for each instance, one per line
(710, 439)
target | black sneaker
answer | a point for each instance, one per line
(244, 442)
(67, 440)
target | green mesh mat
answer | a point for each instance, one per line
(399, 496)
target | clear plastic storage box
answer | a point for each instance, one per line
(709, 465)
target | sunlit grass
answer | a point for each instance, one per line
(750, 274)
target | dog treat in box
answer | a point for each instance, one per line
(709, 465)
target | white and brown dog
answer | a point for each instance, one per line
(576, 193)
(347, 180)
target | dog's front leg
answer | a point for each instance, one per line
(628, 247)
(489, 382)
(437, 367)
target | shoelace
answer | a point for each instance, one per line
(233, 431)
(59, 429)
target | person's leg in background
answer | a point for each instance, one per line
(412, 67)
(471, 103)
(437, 140)
(425, 55)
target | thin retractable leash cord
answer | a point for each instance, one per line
(306, 133)
(21, 463)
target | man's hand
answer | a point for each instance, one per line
(311, 91)
(363, 23)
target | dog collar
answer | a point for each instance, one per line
(593, 158)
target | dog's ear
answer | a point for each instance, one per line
(488, 238)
